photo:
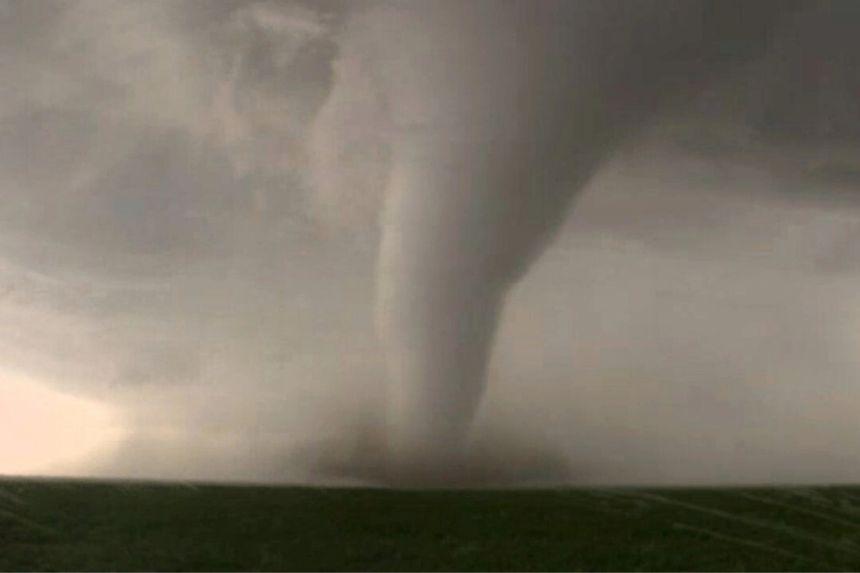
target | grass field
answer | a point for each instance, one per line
(79, 525)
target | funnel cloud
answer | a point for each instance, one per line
(498, 114)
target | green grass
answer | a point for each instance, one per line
(78, 525)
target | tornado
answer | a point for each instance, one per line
(490, 142)
(497, 113)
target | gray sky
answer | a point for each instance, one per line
(163, 261)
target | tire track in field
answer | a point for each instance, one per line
(829, 517)
(731, 539)
(755, 523)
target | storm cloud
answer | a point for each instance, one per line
(181, 239)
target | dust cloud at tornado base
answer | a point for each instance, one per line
(692, 321)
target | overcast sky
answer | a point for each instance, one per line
(169, 296)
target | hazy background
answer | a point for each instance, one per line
(172, 304)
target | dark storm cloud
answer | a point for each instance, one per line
(155, 133)
(152, 214)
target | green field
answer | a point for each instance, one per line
(78, 525)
